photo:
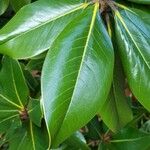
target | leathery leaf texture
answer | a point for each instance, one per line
(77, 74)
(36, 26)
(14, 97)
(133, 38)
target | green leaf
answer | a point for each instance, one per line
(35, 64)
(77, 75)
(16, 123)
(130, 139)
(140, 1)
(12, 83)
(76, 142)
(133, 38)
(3, 6)
(31, 81)
(44, 20)
(13, 92)
(94, 128)
(146, 127)
(116, 112)
(34, 111)
(28, 137)
(103, 146)
(16, 5)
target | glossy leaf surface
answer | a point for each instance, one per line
(36, 26)
(116, 111)
(133, 37)
(76, 75)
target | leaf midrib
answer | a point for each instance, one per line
(8, 118)
(83, 56)
(78, 7)
(126, 28)
(10, 101)
(128, 140)
(22, 140)
(14, 85)
(32, 135)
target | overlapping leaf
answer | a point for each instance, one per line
(34, 111)
(130, 138)
(75, 142)
(13, 92)
(35, 27)
(76, 75)
(3, 6)
(19, 4)
(116, 112)
(126, 139)
(133, 37)
(29, 137)
(14, 108)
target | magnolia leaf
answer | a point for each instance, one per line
(3, 6)
(116, 112)
(36, 26)
(13, 102)
(13, 92)
(77, 75)
(16, 123)
(130, 138)
(28, 137)
(16, 5)
(133, 39)
(31, 81)
(76, 142)
(140, 1)
(34, 111)
(94, 129)
(35, 64)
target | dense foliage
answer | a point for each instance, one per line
(75, 74)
